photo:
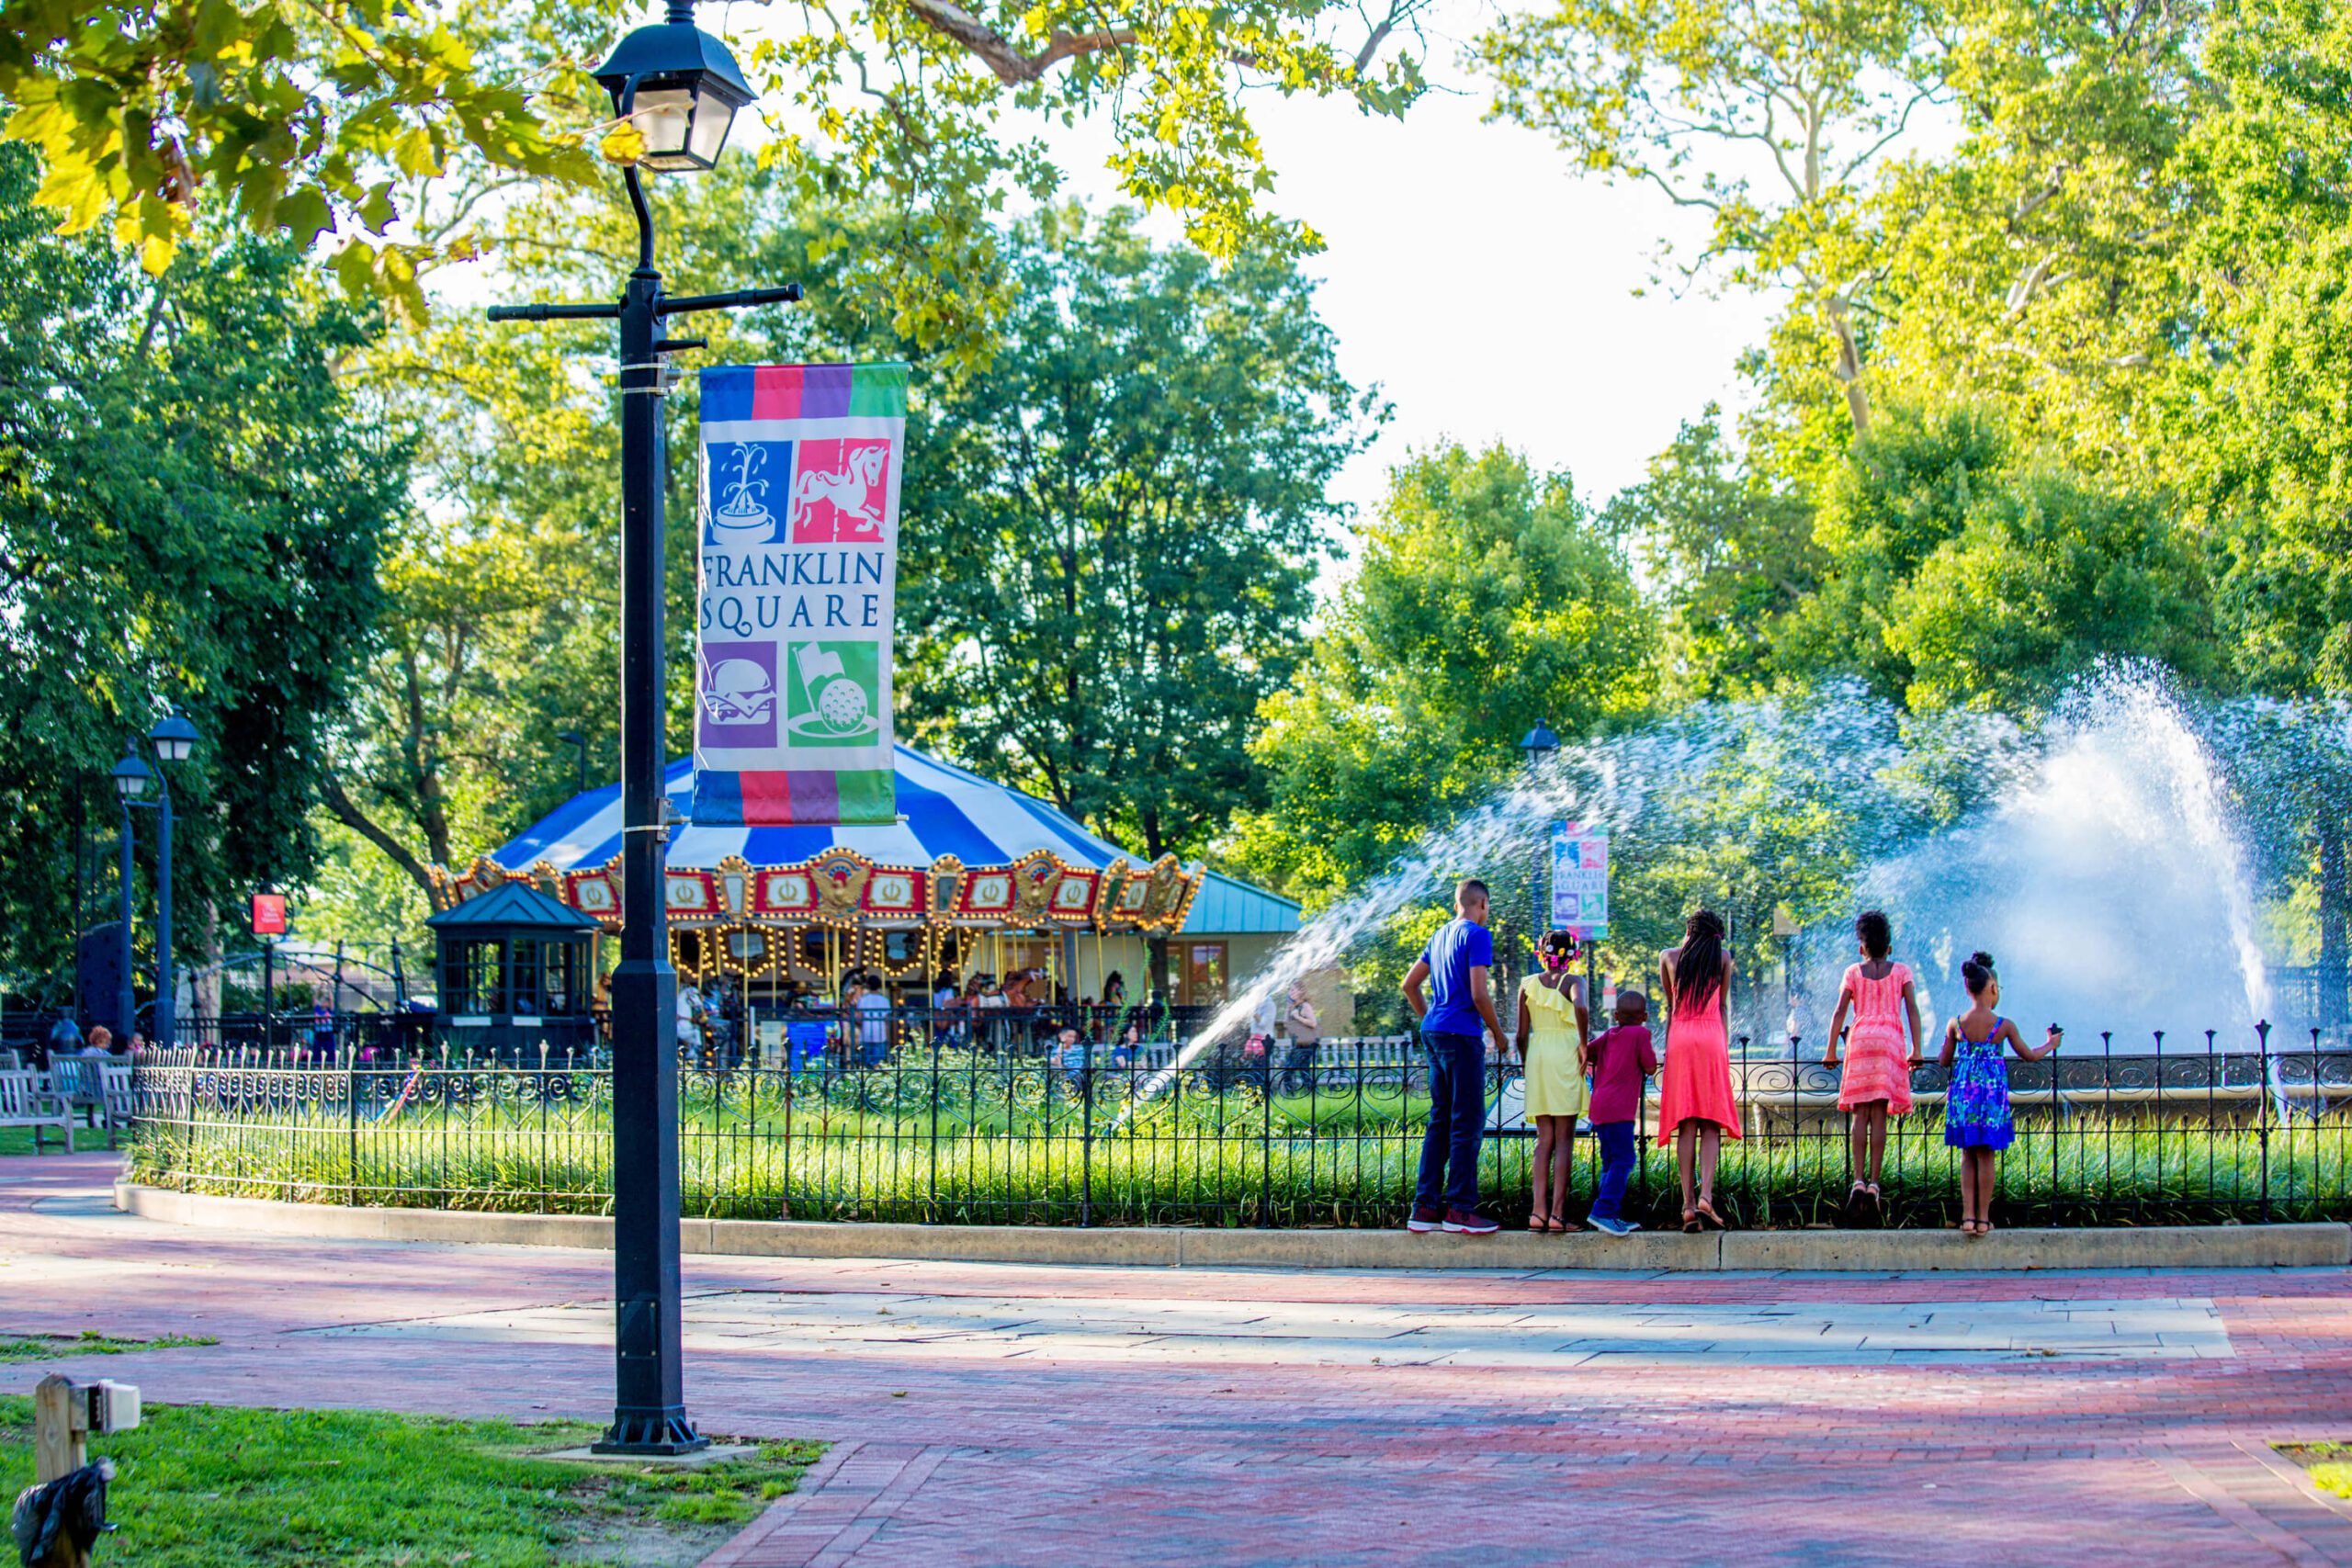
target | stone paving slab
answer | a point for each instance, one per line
(2168, 1246)
(1145, 1456)
(1387, 1334)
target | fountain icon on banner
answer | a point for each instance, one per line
(739, 478)
(738, 695)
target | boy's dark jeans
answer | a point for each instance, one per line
(1449, 1176)
(1616, 1167)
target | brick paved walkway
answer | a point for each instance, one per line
(1017, 1415)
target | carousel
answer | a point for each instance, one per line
(973, 879)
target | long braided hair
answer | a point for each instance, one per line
(1699, 967)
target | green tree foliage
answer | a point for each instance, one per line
(1111, 535)
(191, 511)
(2036, 265)
(319, 121)
(1486, 597)
(1729, 558)
(2262, 433)
(301, 118)
(1957, 571)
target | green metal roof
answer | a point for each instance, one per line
(515, 906)
(1227, 906)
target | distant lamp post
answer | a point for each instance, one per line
(579, 744)
(1539, 746)
(173, 739)
(1785, 927)
(131, 779)
(680, 88)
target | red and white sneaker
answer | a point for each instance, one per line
(1426, 1217)
(1469, 1222)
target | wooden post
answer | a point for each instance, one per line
(60, 1428)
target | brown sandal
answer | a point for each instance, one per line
(1539, 1224)
(1712, 1220)
(1562, 1227)
(1691, 1225)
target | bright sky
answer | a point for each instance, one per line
(1485, 286)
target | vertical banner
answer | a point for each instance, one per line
(1580, 881)
(799, 513)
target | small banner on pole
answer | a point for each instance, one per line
(1580, 881)
(800, 469)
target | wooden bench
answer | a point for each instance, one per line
(27, 1100)
(97, 1088)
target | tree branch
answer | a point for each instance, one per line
(1011, 67)
(347, 811)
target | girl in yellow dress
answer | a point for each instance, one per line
(1551, 1021)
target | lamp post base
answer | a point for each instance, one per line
(661, 1433)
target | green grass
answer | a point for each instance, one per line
(1029, 1151)
(19, 1140)
(206, 1486)
(16, 1346)
(2329, 1465)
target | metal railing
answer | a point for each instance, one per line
(932, 1130)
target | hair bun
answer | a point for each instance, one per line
(1982, 959)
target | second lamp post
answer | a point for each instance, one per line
(172, 739)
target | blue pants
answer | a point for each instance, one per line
(1616, 1167)
(1449, 1176)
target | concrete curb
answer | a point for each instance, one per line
(1898, 1251)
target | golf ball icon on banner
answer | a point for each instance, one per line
(800, 468)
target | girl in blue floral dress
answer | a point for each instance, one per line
(1976, 1103)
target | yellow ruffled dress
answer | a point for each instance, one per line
(1555, 1086)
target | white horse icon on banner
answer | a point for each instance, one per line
(841, 504)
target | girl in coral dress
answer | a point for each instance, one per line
(1876, 1083)
(1696, 1106)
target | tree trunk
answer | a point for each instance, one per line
(2335, 906)
(1849, 370)
(207, 1000)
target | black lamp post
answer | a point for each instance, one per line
(680, 88)
(1540, 745)
(173, 738)
(131, 776)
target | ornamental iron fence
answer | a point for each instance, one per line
(921, 1122)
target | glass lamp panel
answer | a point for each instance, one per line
(662, 116)
(712, 116)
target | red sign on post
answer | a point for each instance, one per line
(269, 914)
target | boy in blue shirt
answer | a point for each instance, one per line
(1454, 965)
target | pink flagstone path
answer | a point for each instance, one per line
(1019, 1414)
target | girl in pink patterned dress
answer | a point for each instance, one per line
(1876, 1082)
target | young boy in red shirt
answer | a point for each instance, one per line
(1620, 1060)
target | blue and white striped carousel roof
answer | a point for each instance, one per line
(942, 810)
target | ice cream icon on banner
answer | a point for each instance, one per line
(739, 695)
(835, 705)
(740, 518)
